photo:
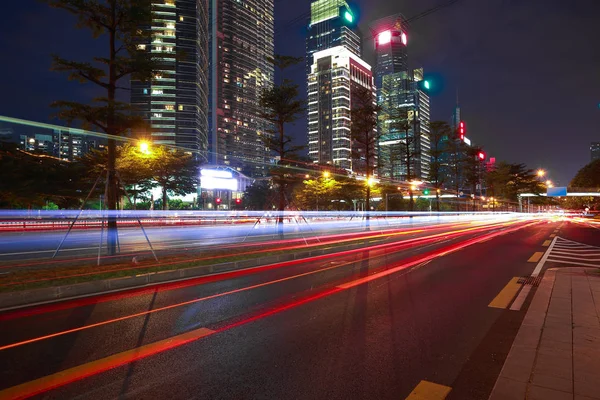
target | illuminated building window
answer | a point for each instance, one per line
(169, 107)
(180, 108)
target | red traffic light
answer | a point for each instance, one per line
(218, 200)
(481, 155)
(238, 201)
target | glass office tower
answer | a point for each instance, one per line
(242, 49)
(175, 101)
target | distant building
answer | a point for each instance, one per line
(60, 144)
(336, 74)
(241, 49)
(595, 151)
(7, 135)
(175, 102)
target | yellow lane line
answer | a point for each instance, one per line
(506, 295)
(546, 243)
(61, 378)
(553, 235)
(429, 391)
(536, 256)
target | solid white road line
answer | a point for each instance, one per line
(540, 264)
(518, 303)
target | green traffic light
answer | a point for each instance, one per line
(426, 192)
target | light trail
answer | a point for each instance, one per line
(248, 253)
(71, 375)
(420, 241)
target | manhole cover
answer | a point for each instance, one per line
(530, 280)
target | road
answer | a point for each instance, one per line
(82, 244)
(32, 245)
(372, 324)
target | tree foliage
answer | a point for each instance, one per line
(280, 106)
(588, 177)
(33, 180)
(507, 181)
(259, 196)
(439, 133)
(123, 25)
(364, 134)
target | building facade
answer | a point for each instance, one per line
(332, 24)
(595, 151)
(241, 48)
(175, 102)
(391, 49)
(402, 95)
(61, 144)
(336, 74)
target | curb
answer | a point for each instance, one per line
(26, 298)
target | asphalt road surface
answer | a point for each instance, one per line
(372, 324)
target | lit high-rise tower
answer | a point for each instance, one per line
(335, 72)
(391, 40)
(241, 50)
(332, 24)
(175, 102)
(402, 95)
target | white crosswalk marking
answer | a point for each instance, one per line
(567, 251)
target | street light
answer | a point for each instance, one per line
(548, 182)
(541, 172)
(144, 147)
(307, 176)
(326, 174)
(370, 181)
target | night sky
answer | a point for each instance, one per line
(527, 71)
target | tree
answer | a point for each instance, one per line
(507, 181)
(33, 180)
(588, 177)
(120, 23)
(317, 194)
(135, 168)
(175, 171)
(472, 169)
(363, 130)
(259, 196)
(456, 153)
(281, 106)
(439, 134)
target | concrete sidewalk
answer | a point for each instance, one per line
(556, 353)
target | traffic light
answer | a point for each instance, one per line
(426, 192)
(238, 201)
(481, 155)
(462, 130)
(218, 200)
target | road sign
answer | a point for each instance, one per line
(556, 191)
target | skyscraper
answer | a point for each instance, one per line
(335, 76)
(242, 49)
(332, 24)
(175, 102)
(391, 40)
(336, 71)
(595, 151)
(401, 93)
